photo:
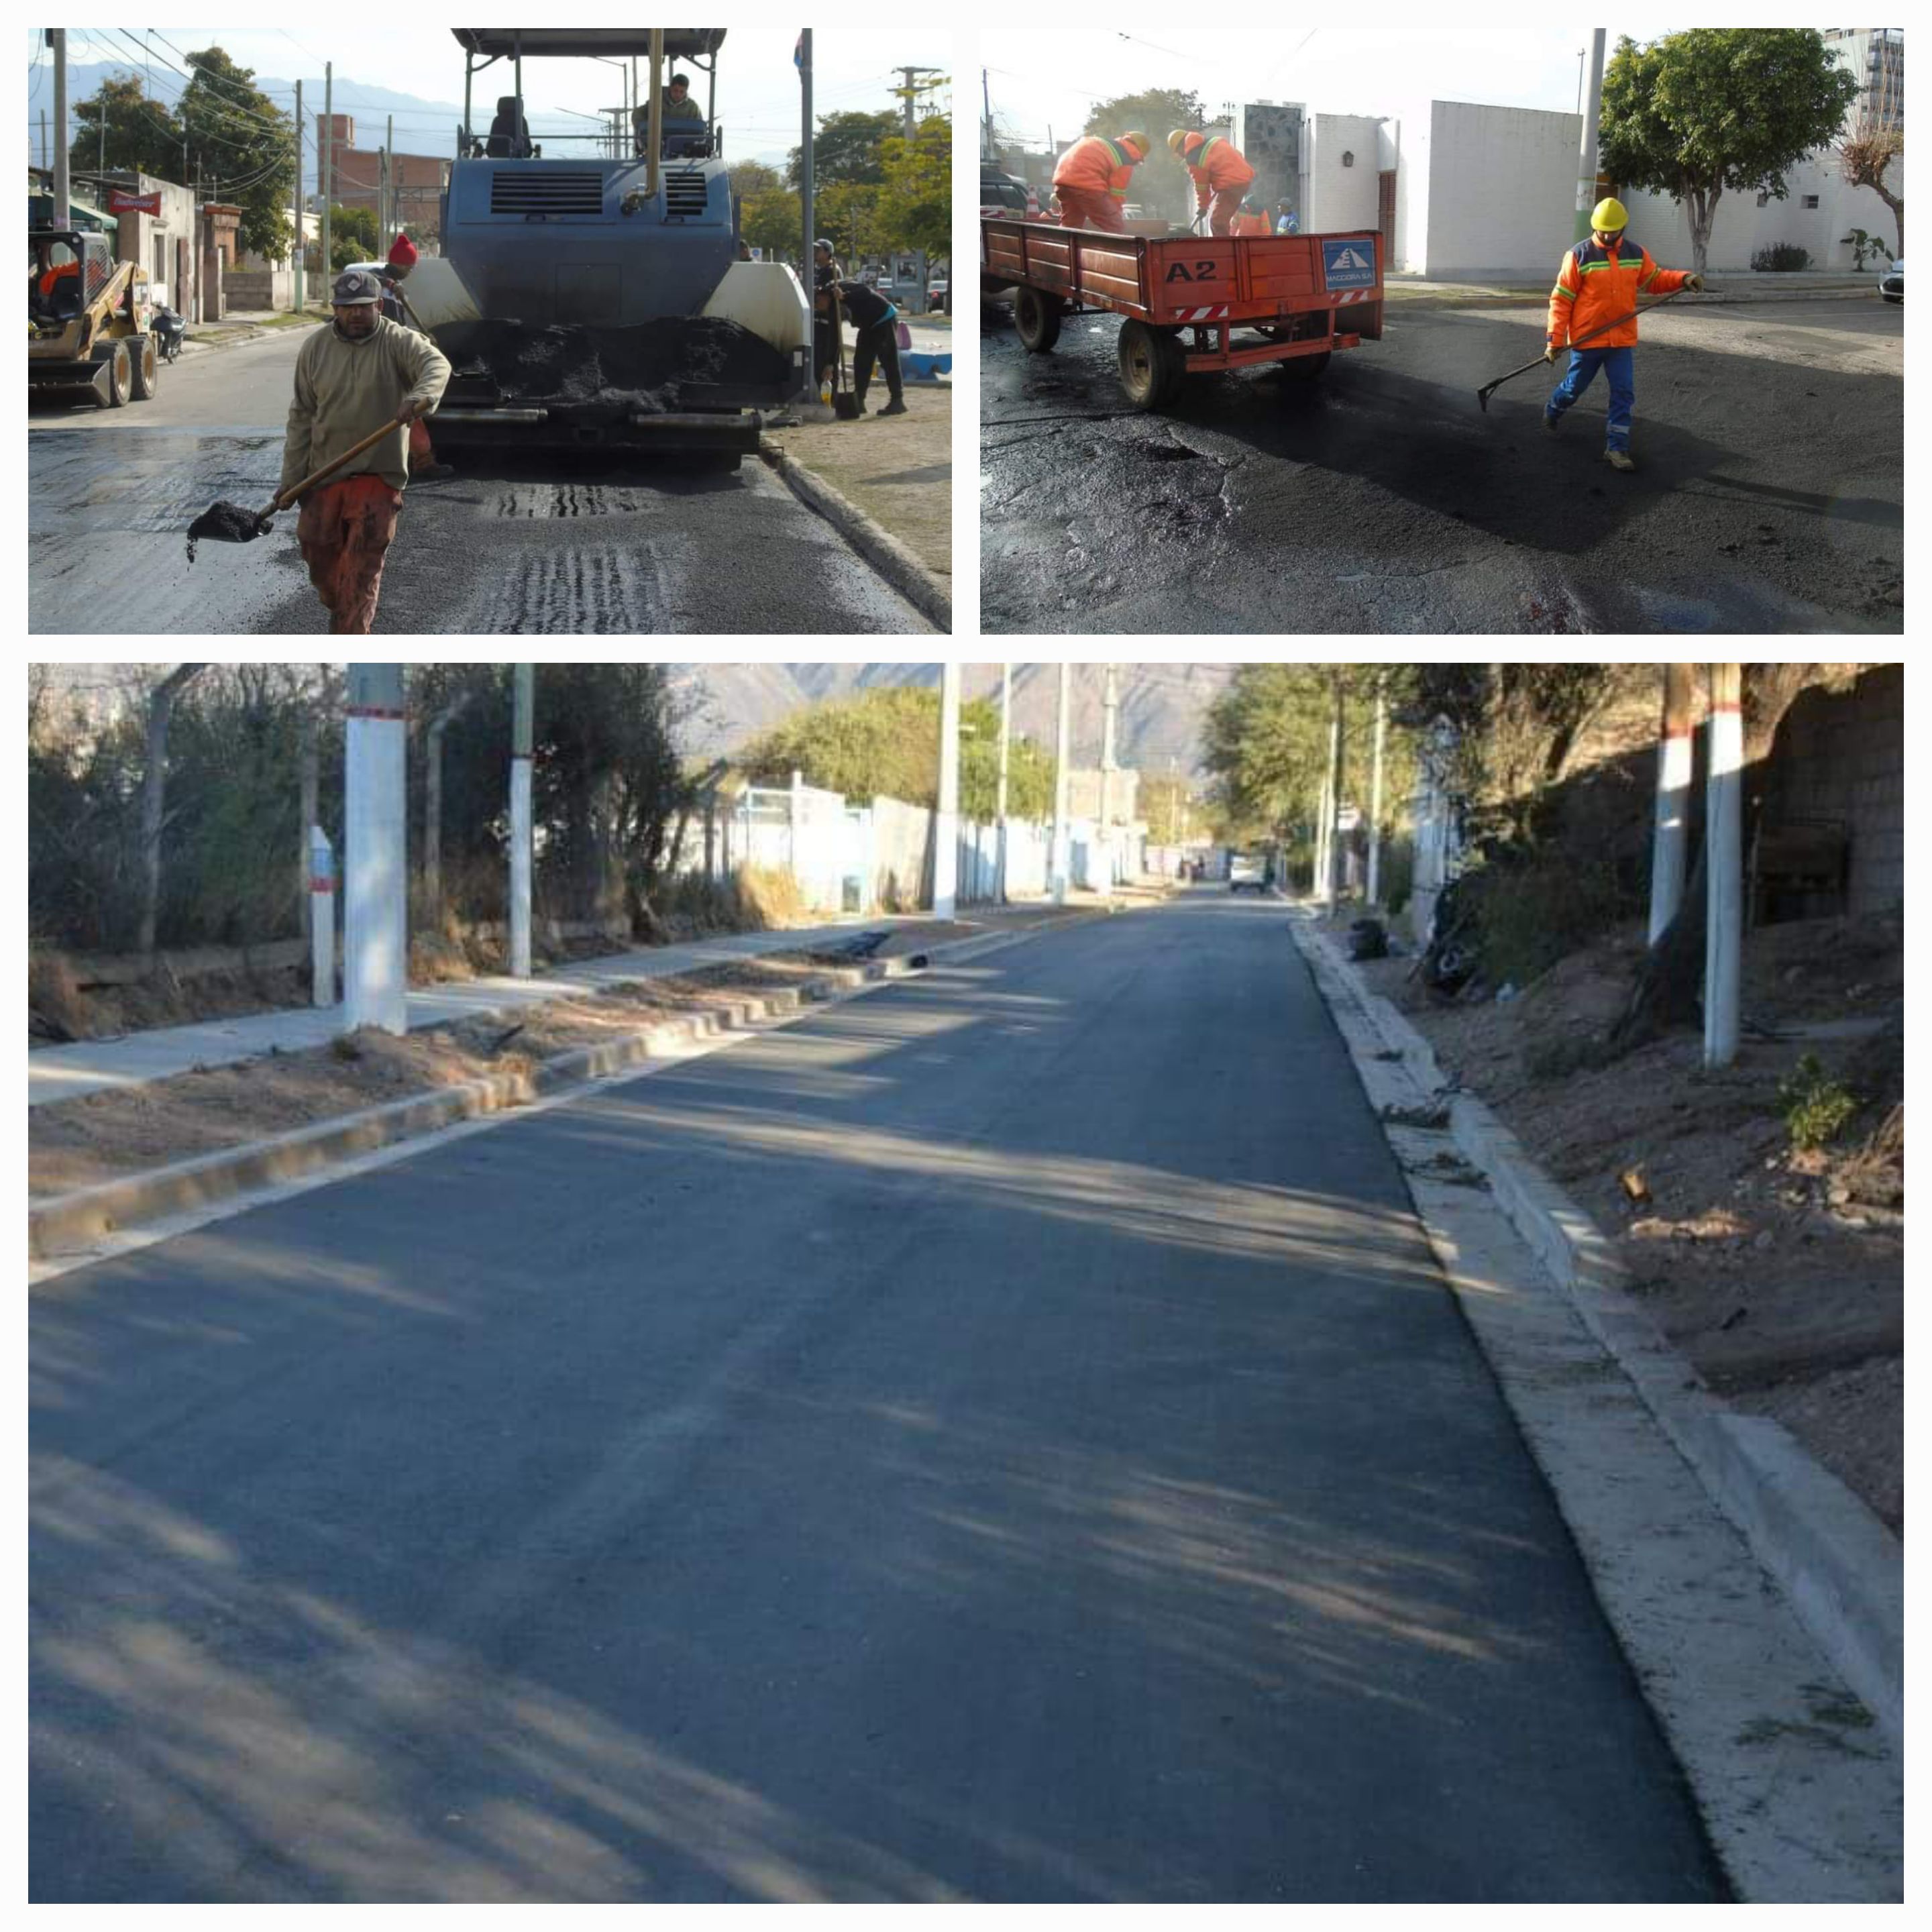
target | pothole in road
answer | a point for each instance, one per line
(1171, 452)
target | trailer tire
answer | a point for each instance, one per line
(1153, 365)
(1305, 368)
(1037, 318)
(146, 367)
(119, 368)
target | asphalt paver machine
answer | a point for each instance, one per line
(598, 301)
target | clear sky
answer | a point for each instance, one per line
(1053, 76)
(758, 85)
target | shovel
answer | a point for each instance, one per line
(1484, 394)
(844, 404)
(229, 522)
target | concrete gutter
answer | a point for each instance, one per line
(925, 590)
(66, 1222)
(1842, 1570)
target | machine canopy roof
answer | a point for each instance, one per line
(679, 43)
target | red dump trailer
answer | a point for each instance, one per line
(1293, 299)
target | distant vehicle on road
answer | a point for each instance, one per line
(1892, 285)
(1247, 873)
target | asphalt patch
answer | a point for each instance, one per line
(224, 523)
(656, 366)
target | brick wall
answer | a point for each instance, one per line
(1842, 756)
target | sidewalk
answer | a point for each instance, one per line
(1735, 285)
(244, 326)
(57, 1073)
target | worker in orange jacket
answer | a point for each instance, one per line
(1221, 175)
(1092, 177)
(1601, 278)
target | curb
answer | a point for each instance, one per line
(233, 336)
(1842, 1570)
(921, 587)
(66, 1222)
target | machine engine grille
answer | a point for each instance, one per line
(544, 191)
(686, 192)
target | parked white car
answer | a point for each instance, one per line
(1892, 285)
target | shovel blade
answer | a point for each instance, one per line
(226, 522)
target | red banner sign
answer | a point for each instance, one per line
(121, 203)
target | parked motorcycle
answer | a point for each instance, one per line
(170, 331)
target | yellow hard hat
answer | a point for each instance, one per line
(1610, 214)
(1136, 140)
(1177, 140)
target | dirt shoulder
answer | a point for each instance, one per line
(1779, 1273)
(897, 470)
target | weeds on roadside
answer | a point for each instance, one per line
(1817, 1108)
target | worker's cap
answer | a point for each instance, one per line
(1182, 138)
(1135, 139)
(1609, 214)
(353, 287)
(679, 80)
(403, 252)
(822, 243)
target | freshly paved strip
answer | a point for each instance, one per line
(1003, 1438)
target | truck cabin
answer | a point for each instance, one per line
(685, 130)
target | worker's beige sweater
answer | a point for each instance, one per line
(344, 390)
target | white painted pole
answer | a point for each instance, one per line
(1109, 705)
(1005, 738)
(375, 898)
(945, 820)
(1671, 841)
(1723, 834)
(522, 738)
(1058, 856)
(1376, 800)
(321, 917)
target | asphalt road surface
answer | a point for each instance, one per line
(546, 547)
(1381, 498)
(1002, 1438)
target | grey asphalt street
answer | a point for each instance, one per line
(559, 546)
(1380, 497)
(1004, 1437)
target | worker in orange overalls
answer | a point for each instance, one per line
(1601, 277)
(1091, 180)
(1221, 175)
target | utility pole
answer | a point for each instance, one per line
(325, 170)
(522, 742)
(1586, 162)
(1671, 841)
(1724, 849)
(805, 189)
(1110, 703)
(1056, 861)
(301, 208)
(1332, 847)
(1375, 798)
(945, 820)
(1006, 737)
(375, 898)
(386, 225)
(910, 91)
(986, 107)
(57, 40)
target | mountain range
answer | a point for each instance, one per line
(1158, 728)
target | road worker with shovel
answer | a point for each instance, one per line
(1600, 279)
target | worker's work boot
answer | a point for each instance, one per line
(1552, 420)
(896, 407)
(1619, 459)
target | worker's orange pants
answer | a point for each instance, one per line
(1079, 209)
(344, 531)
(1222, 209)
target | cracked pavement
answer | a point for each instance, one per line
(1380, 498)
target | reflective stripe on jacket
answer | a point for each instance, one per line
(1095, 165)
(1596, 284)
(1218, 167)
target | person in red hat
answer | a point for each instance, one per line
(394, 272)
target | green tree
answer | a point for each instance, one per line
(884, 742)
(916, 198)
(142, 136)
(771, 219)
(847, 214)
(845, 149)
(1166, 809)
(352, 236)
(1160, 182)
(1865, 158)
(1695, 113)
(245, 146)
(750, 177)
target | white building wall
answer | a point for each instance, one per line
(1338, 197)
(1414, 147)
(1501, 190)
(1740, 227)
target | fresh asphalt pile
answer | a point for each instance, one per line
(224, 523)
(656, 366)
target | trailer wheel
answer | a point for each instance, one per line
(1305, 368)
(1037, 318)
(1153, 365)
(119, 367)
(146, 367)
